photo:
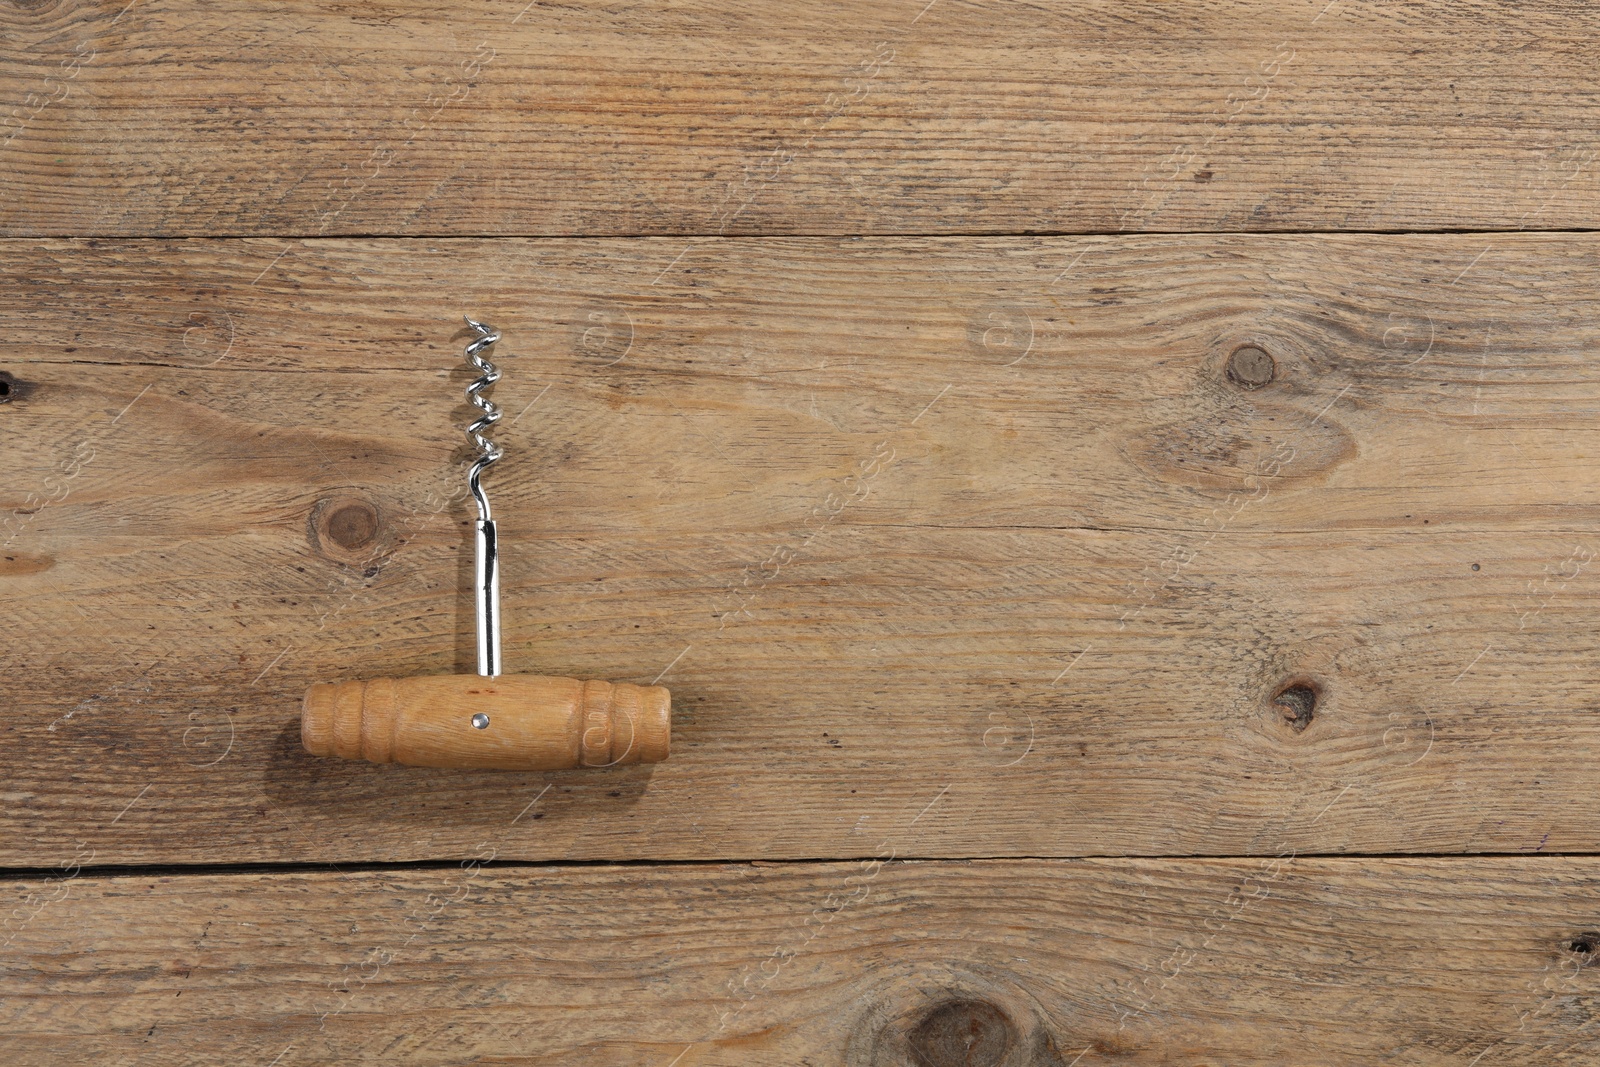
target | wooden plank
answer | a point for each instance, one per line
(175, 117)
(906, 525)
(1039, 963)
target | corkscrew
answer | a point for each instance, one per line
(486, 588)
(487, 721)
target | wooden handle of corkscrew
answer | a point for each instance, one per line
(512, 722)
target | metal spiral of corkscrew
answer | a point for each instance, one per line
(488, 451)
(487, 587)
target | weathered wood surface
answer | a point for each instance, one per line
(1335, 962)
(904, 524)
(179, 117)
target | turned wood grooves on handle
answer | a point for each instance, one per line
(534, 723)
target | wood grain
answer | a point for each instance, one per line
(175, 117)
(907, 526)
(934, 964)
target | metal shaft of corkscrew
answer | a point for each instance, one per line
(486, 587)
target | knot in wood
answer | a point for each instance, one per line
(1251, 367)
(963, 1033)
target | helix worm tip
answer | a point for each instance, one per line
(488, 451)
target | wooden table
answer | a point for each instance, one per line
(1109, 486)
